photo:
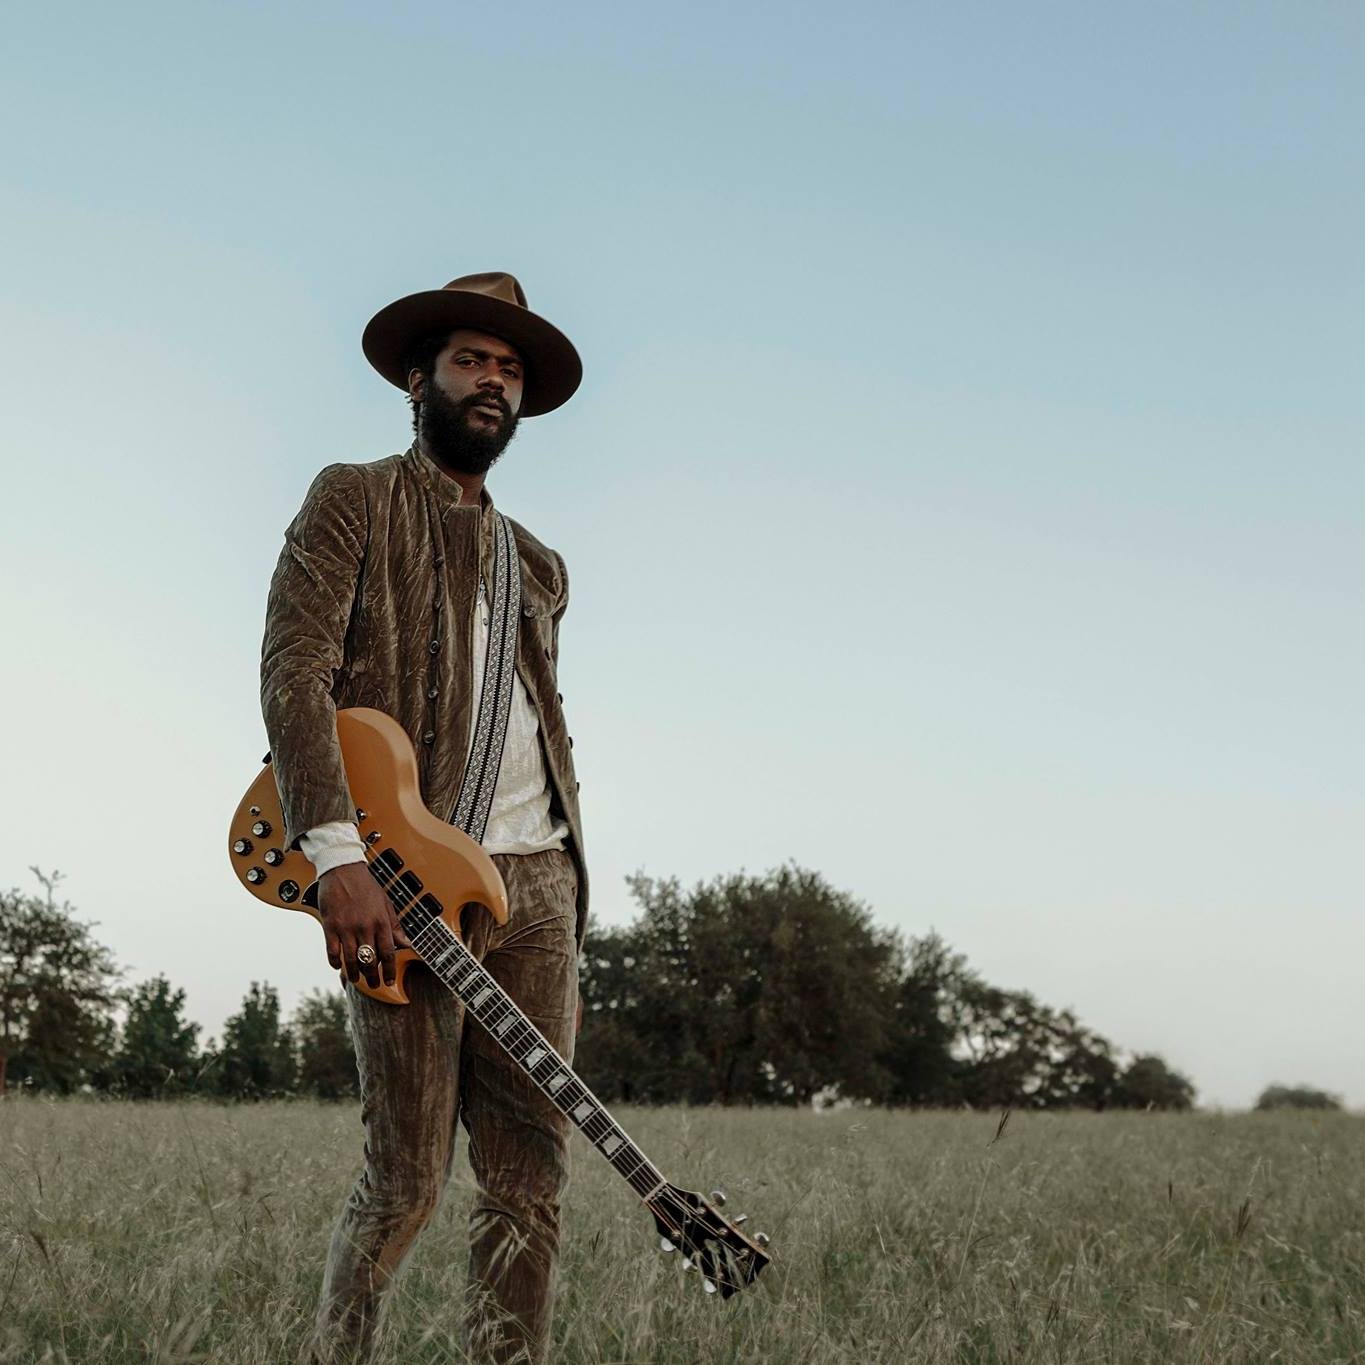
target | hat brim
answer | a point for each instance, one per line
(553, 367)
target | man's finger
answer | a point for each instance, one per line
(333, 947)
(348, 959)
(384, 945)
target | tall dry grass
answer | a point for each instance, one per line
(178, 1232)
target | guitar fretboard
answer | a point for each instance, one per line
(420, 915)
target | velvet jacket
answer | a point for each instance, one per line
(372, 603)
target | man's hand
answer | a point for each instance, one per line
(354, 911)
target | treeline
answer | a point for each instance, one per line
(743, 990)
(67, 1025)
(781, 989)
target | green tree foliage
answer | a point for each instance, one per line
(322, 1037)
(741, 989)
(58, 988)
(1148, 1083)
(158, 1053)
(256, 1057)
(1296, 1097)
(774, 988)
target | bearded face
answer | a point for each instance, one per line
(466, 434)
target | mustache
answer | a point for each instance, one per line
(487, 399)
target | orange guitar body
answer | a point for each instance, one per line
(381, 770)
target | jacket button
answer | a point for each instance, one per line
(433, 692)
(436, 605)
(429, 737)
(434, 647)
(439, 560)
(528, 610)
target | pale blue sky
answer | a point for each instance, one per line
(963, 497)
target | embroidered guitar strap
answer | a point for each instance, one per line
(495, 699)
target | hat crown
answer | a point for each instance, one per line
(496, 284)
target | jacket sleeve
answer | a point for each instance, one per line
(558, 614)
(308, 613)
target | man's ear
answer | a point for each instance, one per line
(417, 382)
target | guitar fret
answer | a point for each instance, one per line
(451, 960)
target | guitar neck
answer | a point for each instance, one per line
(443, 952)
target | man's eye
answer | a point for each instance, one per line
(511, 373)
(465, 360)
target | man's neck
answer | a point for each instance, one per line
(471, 485)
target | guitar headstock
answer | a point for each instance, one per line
(708, 1241)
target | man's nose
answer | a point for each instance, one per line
(491, 379)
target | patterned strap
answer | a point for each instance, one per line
(495, 701)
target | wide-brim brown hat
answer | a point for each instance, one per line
(493, 302)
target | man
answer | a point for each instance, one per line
(381, 598)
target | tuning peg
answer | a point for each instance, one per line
(718, 1198)
(666, 1245)
(740, 1218)
(709, 1286)
(688, 1263)
(762, 1238)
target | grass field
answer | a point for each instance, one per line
(178, 1232)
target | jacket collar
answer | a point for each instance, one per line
(438, 483)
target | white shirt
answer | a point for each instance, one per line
(519, 821)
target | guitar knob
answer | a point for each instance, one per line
(289, 891)
(665, 1245)
(261, 829)
(718, 1198)
(274, 857)
(242, 846)
(255, 875)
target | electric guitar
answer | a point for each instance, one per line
(430, 871)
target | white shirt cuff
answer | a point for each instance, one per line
(334, 844)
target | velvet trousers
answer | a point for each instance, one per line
(423, 1068)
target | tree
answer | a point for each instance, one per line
(921, 1033)
(256, 1058)
(326, 1057)
(1148, 1083)
(1296, 1097)
(57, 993)
(743, 989)
(158, 1052)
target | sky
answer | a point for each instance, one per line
(963, 497)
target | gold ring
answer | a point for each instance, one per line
(364, 954)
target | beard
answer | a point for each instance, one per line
(457, 438)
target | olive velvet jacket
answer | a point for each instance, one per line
(373, 603)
